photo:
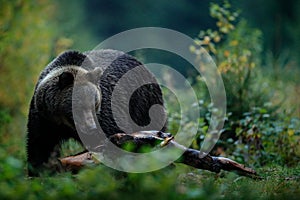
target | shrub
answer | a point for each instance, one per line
(236, 49)
(253, 132)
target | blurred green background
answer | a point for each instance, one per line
(255, 45)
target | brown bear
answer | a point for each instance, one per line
(51, 120)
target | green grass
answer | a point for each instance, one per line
(179, 182)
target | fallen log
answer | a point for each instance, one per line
(190, 156)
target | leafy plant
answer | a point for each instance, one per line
(253, 133)
(236, 49)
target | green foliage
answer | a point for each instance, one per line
(283, 73)
(23, 25)
(5, 118)
(260, 138)
(236, 50)
(72, 29)
(70, 147)
(26, 38)
(254, 133)
(171, 183)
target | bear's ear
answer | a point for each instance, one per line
(95, 75)
(65, 79)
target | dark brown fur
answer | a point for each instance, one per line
(50, 120)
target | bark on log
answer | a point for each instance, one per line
(190, 157)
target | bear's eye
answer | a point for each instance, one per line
(65, 79)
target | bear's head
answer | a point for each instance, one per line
(65, 89)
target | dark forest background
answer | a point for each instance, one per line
(278, 20)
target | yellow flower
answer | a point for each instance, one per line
(291, 132)
(252, 65)
(234, 43)
(219, 24)
(243, 58)
(206, 40)
(226, 53)
(217, 39)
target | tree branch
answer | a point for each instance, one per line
(190, 157)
